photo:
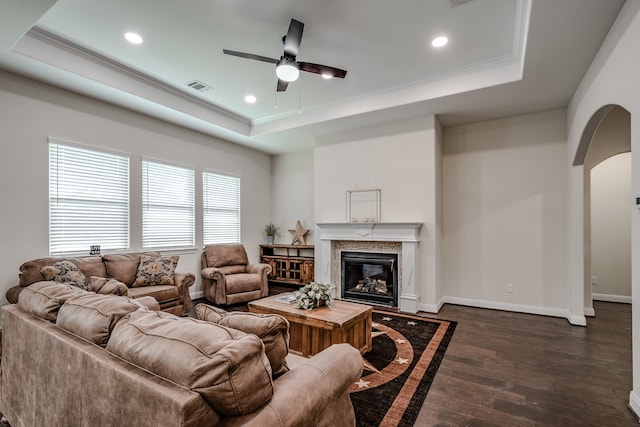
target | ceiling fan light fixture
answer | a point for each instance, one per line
(287, 70)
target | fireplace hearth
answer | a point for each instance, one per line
(370, 277)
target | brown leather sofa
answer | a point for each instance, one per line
(229, 278)
(173, 298)
(75, 358)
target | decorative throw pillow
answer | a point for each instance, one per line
(102, 285)
(155, 271)
(65, 272)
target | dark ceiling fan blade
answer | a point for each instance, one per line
(293, 38)
(321, 69)
(250, 56)
(282, 85)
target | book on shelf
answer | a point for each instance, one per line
(287, 298)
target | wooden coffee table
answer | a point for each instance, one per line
(311, 331)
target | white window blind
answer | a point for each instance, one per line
(221, 208)
(88, 199)
(168, 212)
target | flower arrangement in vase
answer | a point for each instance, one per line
(313, 295)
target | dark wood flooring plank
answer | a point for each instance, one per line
(514, 369)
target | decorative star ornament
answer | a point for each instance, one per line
(400, 341)
(411, 323)
(402, 361)
(299, 234)
(387, 319)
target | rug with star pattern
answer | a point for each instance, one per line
(405, 356)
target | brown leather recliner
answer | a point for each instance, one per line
(229, 278)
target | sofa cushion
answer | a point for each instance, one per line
(102, 285)
(243, 282)
(227, 367)
(43, 299)
(93, 316)
(65, 272)
(124, 267)
(155, 270)
(89, 266)
(272, 329)
(159, 292)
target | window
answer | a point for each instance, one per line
(88, 199)
(168, 213)
(221, 208)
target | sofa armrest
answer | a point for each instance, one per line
(184, 280)
(211, 273)
(319, 384)
(261, 269)
(213, 284)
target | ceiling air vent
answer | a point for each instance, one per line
(454, 3)
(199, 86)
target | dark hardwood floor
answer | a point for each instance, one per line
(513, 369)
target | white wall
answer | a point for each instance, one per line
(504, 213)
(611, 228)
(402, 160)
(611, 79)
(32, 111)
(293, 193)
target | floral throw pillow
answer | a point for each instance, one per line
(65, 272)
(155, 271)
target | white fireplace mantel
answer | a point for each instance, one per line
(407, 233)
(371, 231)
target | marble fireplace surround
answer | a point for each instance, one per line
(385, 237)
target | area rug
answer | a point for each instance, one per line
(405, 356)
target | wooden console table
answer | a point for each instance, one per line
(291, 264)
(311, 331)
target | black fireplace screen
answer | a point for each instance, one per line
(370, 277)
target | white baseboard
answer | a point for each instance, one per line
(520, 308)
(431, 308)
(634, 403)
(611, 298)
(196, 295)
(589, 311)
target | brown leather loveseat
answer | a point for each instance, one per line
(77, 358)
(171, 290)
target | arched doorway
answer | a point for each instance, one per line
(607, 134)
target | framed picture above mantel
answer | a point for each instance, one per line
(363, 205)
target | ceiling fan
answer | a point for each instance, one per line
(287, 68)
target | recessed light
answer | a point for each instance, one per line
(133, 38)
(250, 99)
(327, 76)
(439, 41)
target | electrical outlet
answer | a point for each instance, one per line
(509, 288)
(594, 280)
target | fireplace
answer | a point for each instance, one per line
(370, 277)
(400, 238)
